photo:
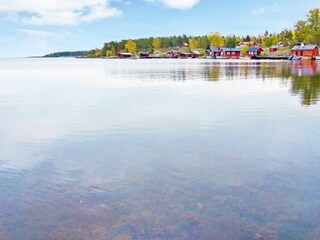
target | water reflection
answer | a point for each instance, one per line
(303, 75)
(152, 149)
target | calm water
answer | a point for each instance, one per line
(159, 149)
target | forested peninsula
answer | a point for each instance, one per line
(307, 31)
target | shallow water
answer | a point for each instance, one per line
(159, 149)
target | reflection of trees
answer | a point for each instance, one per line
(308, 87)
(212, 71)
(303, 75)
(213, 74)
(306, 81)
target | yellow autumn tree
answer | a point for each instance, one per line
(215, 39)
(194, 43)
(98, 52)
(156, 43)
(131, 46)
(109, 53)
(244, 50)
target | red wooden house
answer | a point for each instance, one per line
(195, 54)
(125, 55)
(273, 49)
(177, 54)
(214, 52)
(254, 51)
(306, 51)
(231, 52)
(144, 55)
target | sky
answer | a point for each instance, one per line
(38, 27)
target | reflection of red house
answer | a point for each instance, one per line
(308, 51)
(273, 49)
(231, 52)
(303, 68)
(254, 51)
(144, 55)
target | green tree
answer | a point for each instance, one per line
(313, 23)
(204, 43)
(301, 31)
(215, 39)
(286, 36)
(272, 40)
(230, 42)
(131, 46)
(113, 51)
(314, 19)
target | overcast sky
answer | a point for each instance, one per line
(37, 27)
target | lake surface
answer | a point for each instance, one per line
(159, 149)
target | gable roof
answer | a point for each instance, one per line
(232, 50)
(305, 47)
(254, 49)
(214, 49)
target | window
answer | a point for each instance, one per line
(233, 53)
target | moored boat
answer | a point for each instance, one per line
(294, 58)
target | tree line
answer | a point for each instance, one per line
(307, 31)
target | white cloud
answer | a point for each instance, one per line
(259, 11)
(59, 12)
(178, 4)
(38, 34)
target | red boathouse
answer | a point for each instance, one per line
(125, 55)
(309, 51)
(144, 55)
(231, 52)
(254, 51)
(273, 49)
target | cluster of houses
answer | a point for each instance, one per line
(170, 54)
(300, 50)
(233, 52)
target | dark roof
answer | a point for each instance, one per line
(305, 47)
(214, 49)
(174, 51)
(232, 49)
(254, 49)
